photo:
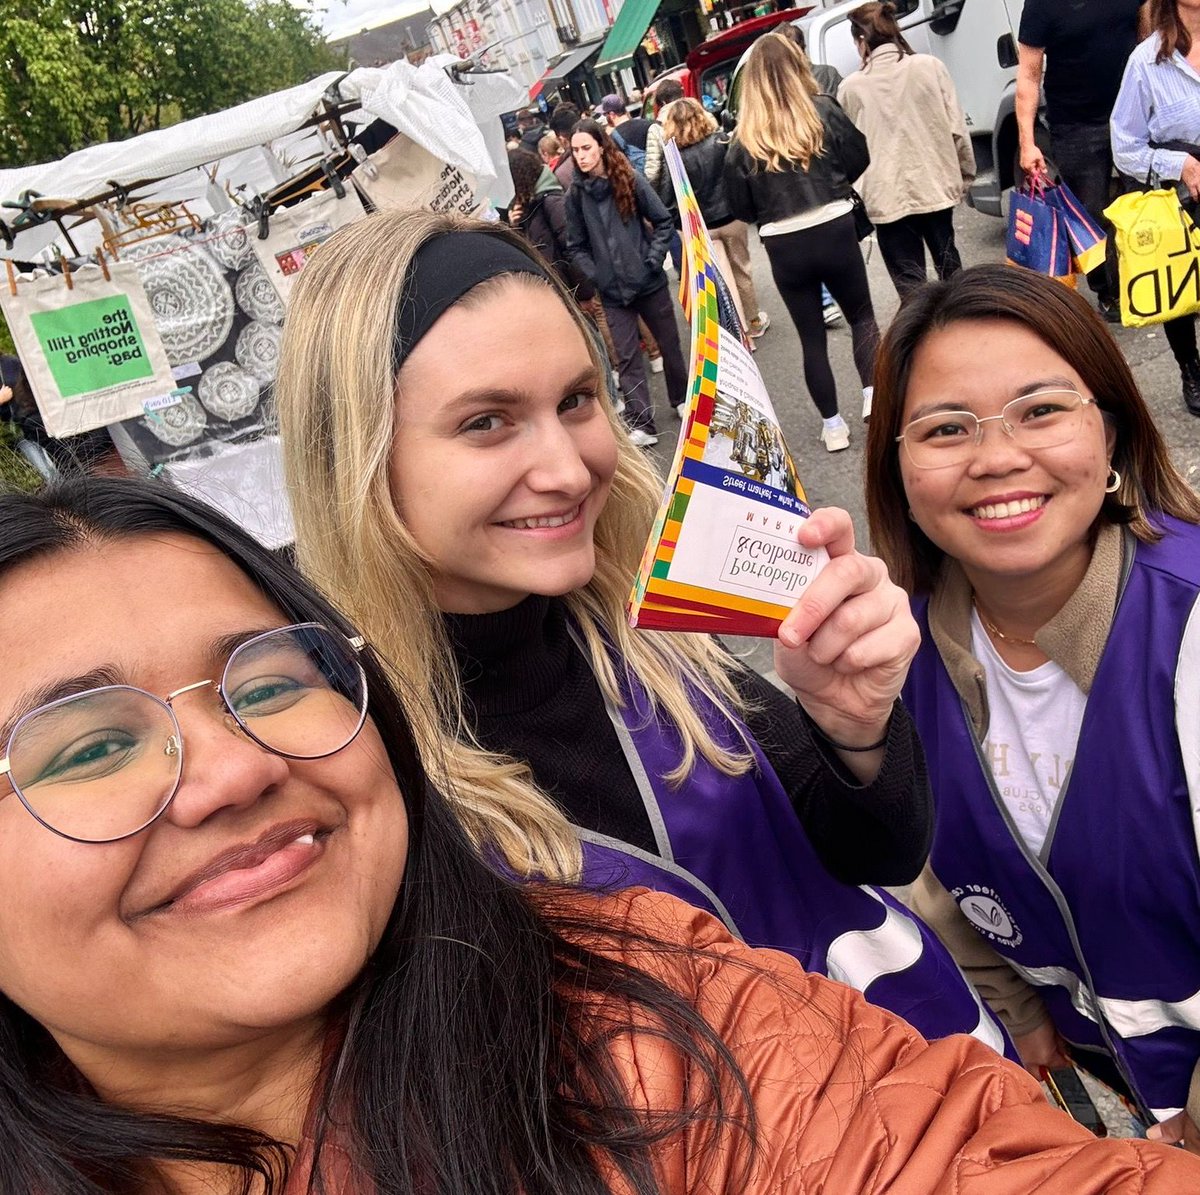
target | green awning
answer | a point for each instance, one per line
(626, 35)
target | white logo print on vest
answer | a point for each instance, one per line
(984, 910)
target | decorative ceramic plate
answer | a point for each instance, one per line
(191, 301)
(177, 425)
(257, 350)
(228, 391)
(257, 296)
(228, 239)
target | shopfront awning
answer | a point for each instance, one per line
(626, 35)
(571, 61)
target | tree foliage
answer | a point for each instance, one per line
(74, 73)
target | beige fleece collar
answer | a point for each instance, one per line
(1074, 638)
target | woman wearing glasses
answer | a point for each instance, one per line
(245, 948)
(1019, 489)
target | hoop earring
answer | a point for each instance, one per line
(1114, 481)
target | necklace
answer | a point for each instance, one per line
(993, 629)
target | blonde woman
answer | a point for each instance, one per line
(476, 511)
(790, 170)
(702, 148)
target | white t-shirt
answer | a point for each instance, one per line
(1033, 729)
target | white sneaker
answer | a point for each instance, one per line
(832, 314)
(656, 365)
(681, 411)
(643, 439)
(867, 400)
(835, 438)
(758, 325)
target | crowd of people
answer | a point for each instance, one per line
(448, 880)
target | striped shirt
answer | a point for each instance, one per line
(1158, 101)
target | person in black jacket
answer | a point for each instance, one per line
(703, 148)
(539, 211)
(618, 232)
(790, 170)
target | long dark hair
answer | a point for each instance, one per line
(475, 1049)
(526, 169)
(1172, 33)
(874, 25)
(616, 165)
(1060, 317)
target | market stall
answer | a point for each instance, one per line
(145, 281)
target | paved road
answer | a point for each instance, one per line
(836, 479)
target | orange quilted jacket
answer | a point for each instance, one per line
(850, 1100)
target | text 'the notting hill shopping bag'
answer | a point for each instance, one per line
(1085, 237)
(1037, 235)
(88, 342)
(1158, 251)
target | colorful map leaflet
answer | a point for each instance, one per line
(722, 555)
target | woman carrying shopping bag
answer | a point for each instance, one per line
(790, 170)
(921, 156)
(1156, 132)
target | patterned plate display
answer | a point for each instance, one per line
(177, 425)
(192, 303)
(257, 350)
(228, 239)
(256, 296)
(228, 391)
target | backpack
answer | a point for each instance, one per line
(636, 155)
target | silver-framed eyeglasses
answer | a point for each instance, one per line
(1044, 419)
(103, 764)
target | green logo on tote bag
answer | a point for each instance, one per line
(92, 346)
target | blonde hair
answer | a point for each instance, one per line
(778, 123)
(336, 397)
(687, 121)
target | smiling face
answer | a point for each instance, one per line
(1006, 512)
(587, 152)
(504, 451)
(260, 892)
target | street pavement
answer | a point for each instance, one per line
(836, 479)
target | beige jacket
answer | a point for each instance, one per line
(1074, 639)
(921, 156)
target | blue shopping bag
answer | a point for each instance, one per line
(1037, 235)
(1085, 236)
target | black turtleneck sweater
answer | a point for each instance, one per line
(531, 695)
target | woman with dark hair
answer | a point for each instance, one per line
(789, 170)
(921, 156)
(618, 233)
(246, 948)
(539, 210)
(1018, 488)
(1156, 132)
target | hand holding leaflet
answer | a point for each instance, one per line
(723, 554)
(845, 648)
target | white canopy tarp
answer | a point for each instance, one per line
(457, 122)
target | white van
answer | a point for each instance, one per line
(977, 40)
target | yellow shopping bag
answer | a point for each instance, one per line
(1158, 250)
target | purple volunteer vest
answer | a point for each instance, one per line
(733, 845)
(1106, 922)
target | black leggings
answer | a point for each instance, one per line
(800, 262)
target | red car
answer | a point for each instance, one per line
(707, 70)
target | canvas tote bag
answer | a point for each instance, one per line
(403, 174)
(295, 233)
(88, 342)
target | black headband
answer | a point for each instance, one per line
(441, 272)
